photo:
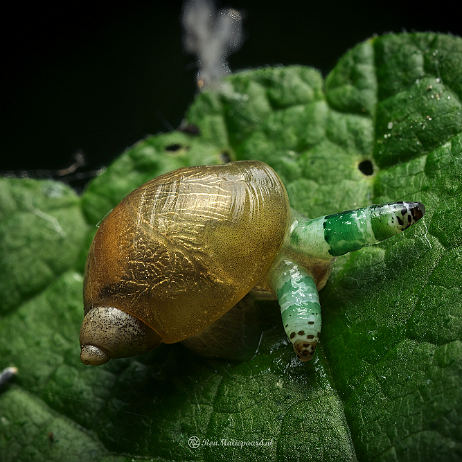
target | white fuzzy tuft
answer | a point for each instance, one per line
(212, 36)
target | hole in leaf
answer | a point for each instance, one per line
(173, 147)
(366, 167)
(225, 157)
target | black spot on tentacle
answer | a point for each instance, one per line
(401, 222)
(418, 211)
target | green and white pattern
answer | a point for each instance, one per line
(323, 239)
(300, 309)
(334, 235)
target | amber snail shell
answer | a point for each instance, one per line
(181, 250)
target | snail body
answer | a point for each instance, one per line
(180, 251)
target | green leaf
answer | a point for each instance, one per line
(386, 380)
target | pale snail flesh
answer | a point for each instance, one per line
(180, 251)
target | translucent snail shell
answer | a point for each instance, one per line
(181, 250)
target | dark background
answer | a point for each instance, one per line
(98, 77)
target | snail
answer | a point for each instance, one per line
(180, 251)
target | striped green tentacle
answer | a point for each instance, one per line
(344, 232)
(325, 238)
(300, 309)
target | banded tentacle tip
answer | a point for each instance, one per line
(417, 210)
(304, 345)
(410, 213)
(304, 350)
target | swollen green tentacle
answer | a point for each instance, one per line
(323, 239)
(300, 309)
(344, 232)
